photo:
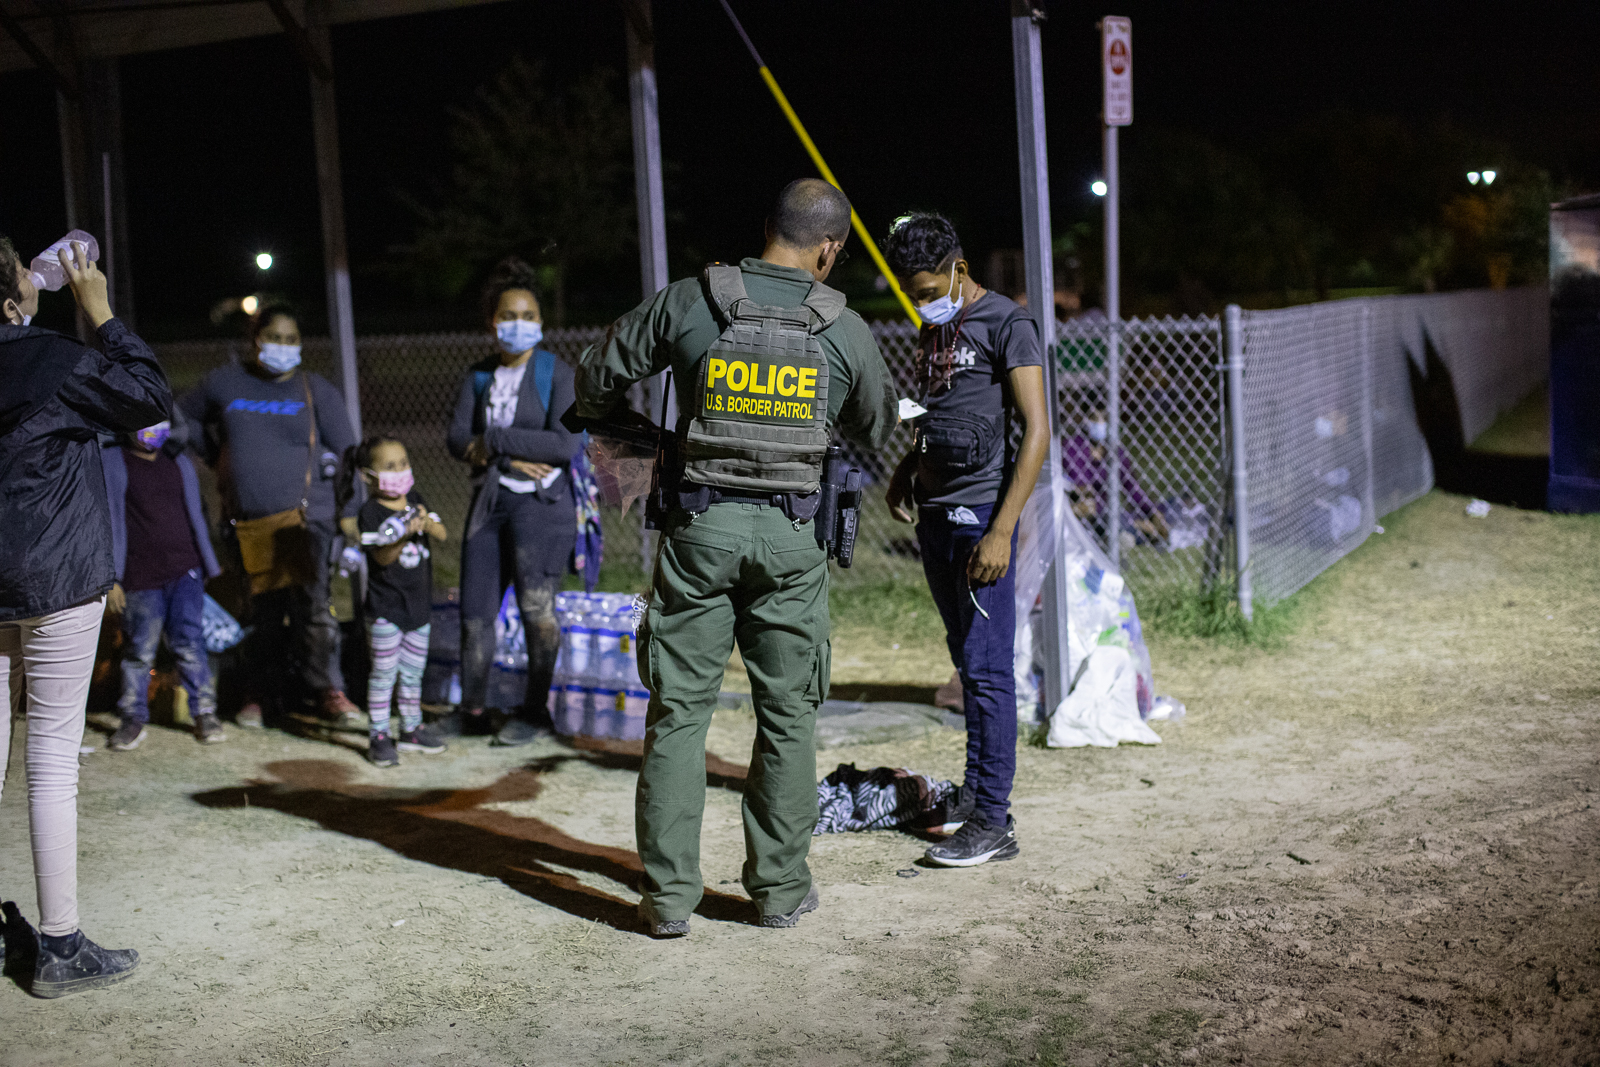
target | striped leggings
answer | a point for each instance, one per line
(402, 653)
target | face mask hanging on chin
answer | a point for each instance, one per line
(280, 359)
(940, 311)
(518, 335)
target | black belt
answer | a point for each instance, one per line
(746, 496)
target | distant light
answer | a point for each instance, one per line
(264, 260)
(1473, 176)
(1488, 177)
(249, 304)
(1098, 189)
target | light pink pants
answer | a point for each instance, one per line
(47, 661)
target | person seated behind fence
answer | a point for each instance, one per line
(1083, 463)
(258, 422)
(521, 526)
(162, 553)
(399, 596)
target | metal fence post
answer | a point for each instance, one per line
(1113, 352)
(1233, 340)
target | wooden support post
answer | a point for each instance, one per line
(335, 253)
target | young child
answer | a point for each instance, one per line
(162, 553)
(399, 596)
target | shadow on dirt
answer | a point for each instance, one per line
(452, 828)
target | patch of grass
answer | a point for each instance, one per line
(903, 608)
(1212, 613)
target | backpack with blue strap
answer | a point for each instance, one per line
(590, 547)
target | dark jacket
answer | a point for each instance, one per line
(56, 396)
(115, 464)
(534, 434)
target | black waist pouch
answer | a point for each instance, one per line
(953, 443)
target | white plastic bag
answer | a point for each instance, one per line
(1102, 709)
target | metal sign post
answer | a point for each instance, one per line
(1116, 62)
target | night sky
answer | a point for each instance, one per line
(910, 103)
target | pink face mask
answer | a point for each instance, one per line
(395, 483)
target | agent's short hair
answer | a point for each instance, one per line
(921, 241)
(10, 271)
(272, 309)
(510, 273)
(809, 211)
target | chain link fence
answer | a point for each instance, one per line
(1331, 435)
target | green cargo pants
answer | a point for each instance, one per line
(739, 572)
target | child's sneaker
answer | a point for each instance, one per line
(128, 736)
(424, 738)
(381, 751)
(208, 729)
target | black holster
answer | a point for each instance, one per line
(839, 510)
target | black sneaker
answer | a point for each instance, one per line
(463, 722)
(956, 810)
(129, 736)
(783, 922)
(80, 964)
(661, 927)
(208, 729)
(977, 842)
(523, 731)
(381, 751)
(424, 738)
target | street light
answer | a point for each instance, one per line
(264, 261)
(1485, 176)
(1488, 177)
(1098, 188)
(249, 304)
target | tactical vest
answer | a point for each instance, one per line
(759, 421)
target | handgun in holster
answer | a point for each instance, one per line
(839, 511)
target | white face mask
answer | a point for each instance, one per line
(280, 359)
(26, 319)
(940, 311)
(518, 335)
(1098, 431)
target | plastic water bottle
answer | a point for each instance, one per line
(572, 664)
(635, 701)
(48, 274)
(597, 717)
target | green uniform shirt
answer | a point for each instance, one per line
(674, 329)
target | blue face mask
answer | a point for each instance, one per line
(940, 311)
(1098, 431)
(280, 359)
(518, 335)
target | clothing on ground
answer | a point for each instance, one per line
(176, 609)
(980, 631)
(256, 431)
(402, 591)
(161, 545)
(56, 397)
(964, 367)
(401, 654)
(882, 798)
(52, 658)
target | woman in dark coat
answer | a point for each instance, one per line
(521, 528)
(56, 397)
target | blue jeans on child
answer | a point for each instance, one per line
(176, 609)
(981, 648)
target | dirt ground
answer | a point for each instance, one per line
(1374, 844)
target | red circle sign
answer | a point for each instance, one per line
(1118, 57)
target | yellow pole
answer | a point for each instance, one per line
(827, 176)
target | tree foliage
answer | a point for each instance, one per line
(540, 173)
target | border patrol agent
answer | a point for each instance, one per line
(765, 360)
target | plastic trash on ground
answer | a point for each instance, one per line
(1478, 509)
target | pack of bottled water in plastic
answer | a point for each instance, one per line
(595, 691)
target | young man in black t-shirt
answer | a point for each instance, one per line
(979, 366)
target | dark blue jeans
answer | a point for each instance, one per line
(175, 609)
(981, 649)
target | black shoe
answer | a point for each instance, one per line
(128, 736)
(80, 965)
(522, 731)
(977, 842)
(208, 729)
(424, 738)
(381, 751)
(956, 810)
(463, 722)
(661, 927)
(783, 922)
